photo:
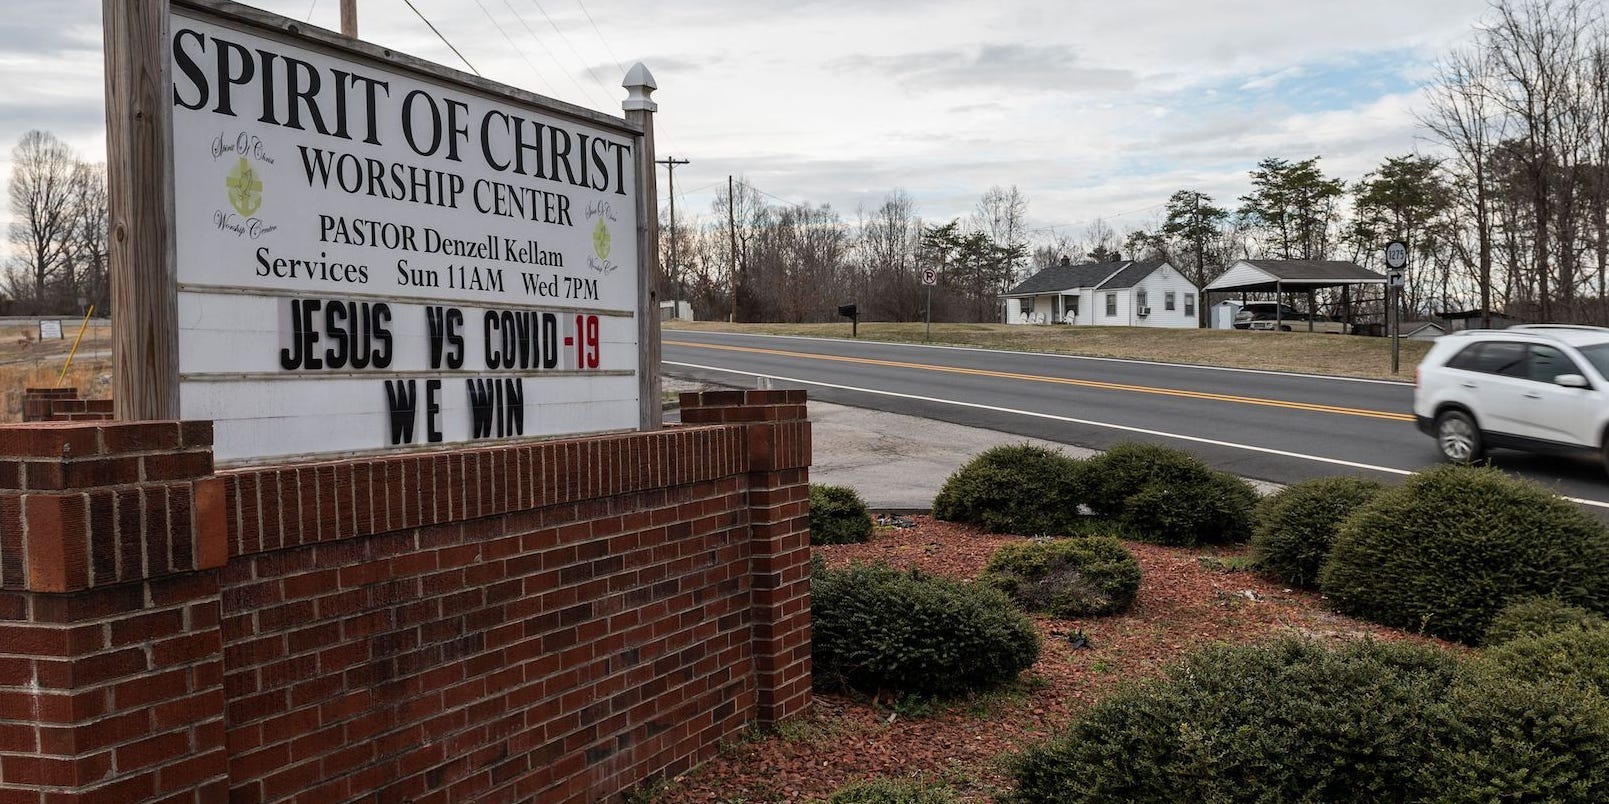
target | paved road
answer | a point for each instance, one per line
(1271, 426)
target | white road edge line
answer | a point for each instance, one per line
(1071, 420)
(1195, 366)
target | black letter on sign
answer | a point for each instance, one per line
(445, 324)
(455, 337)
(482, 407)
(403, 400)
(433, 410)
(303, 336)
(381, 316)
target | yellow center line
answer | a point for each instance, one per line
(1105, 386)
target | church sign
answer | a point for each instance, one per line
(374, 255)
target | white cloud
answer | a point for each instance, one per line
(1091, 108)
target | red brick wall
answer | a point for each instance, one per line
(62, 405)
(558, 621)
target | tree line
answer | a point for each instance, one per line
(1508, 211)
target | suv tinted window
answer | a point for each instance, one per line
(1493, 357)
(1548, 362)
(1598, 356)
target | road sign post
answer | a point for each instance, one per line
(1396, 260)
(930, 277)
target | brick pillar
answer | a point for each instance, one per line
(777, 435)
(111, 658)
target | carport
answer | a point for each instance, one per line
(1294, 276)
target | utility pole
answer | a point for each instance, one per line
(731, 225)
(670, 163)
(349, 18)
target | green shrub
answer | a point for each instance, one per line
(1168, 496)
(1066, 577)
(877, 628)
(1535, 616)
(1577, 655)
(1281, 721)
(838, 515)
(1294, 721)
(1448, 549)
(1296, 525)
(890, 791)
(1020, 488)
(1215, 509)
(1514, 739)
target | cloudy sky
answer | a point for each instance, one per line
(1092, 108)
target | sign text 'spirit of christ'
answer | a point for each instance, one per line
(213, 73)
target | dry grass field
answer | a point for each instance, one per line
(1343, 355)
(27, 362)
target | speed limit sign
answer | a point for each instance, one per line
(930, 276)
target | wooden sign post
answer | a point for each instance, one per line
(139, 190)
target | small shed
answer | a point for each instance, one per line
(1421, 330)
(1223, 314)
(1280, 277)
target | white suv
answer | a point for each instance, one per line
(1539, 388)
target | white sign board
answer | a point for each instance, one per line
(50, 330)
(370, 259)
(930, 276)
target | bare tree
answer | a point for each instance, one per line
(1462, 114)
(1100, 242)
(87, 237)
(889, 242)
(1533, 46)
(1001, 214)
(1053, 249)
(41, 189)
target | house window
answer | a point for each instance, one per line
(1189, 304)
(1111, 304)
(1139, 299)
(1167, 301)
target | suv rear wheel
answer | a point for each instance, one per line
(1458, 437)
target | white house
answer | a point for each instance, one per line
(1117, 294)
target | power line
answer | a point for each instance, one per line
(516, 48)
(311, 9)
(662, 132)
(777, 197)
(443, 39)
(610, 50)
(549, 52)
(568, 44)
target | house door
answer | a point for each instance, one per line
(1072, 309)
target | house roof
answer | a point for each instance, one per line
(1408, 328)
(1268, 275)
(1131, 275)
(1106, 275)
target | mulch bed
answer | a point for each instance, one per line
(1189, 597)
